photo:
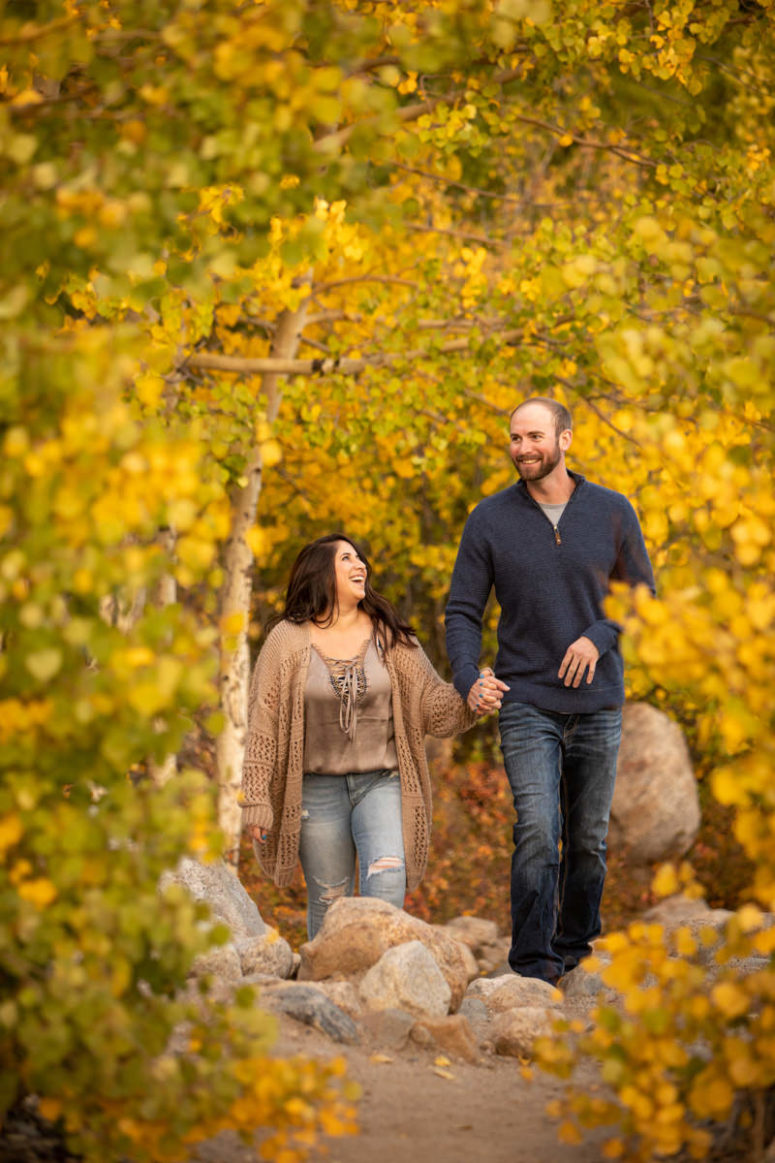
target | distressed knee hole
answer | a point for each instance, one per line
(331, 892)
(385, 864)
(305, 813)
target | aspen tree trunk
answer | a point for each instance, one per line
(234, 674)
(166, 595)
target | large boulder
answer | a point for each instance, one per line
(219, 887)
(656, 807)
(357, 931)
(407, 978)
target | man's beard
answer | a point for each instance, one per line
(537, 470)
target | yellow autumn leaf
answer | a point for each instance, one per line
(403, 469)
(731, 999)
(271, 453)
(684, 942)
(233, 623)
(568, 1132)
(27, 97)
(39, 892)
(749, 918)
(50, 1108)
(665, 883)
(258, 541)
(137, 656)
(44, 664)
(11, 832)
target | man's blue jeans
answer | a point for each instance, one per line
(347, 815)
(561, 769)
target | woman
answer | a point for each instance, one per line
(341, 699)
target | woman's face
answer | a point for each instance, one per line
(350, 575)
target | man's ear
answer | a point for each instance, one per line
(565, 438)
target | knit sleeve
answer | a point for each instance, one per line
(472, 580)
(632, 566)
(261, 744)
(443, 711)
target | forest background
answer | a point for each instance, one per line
(277, 268)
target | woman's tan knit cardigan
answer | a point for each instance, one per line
(271, 778)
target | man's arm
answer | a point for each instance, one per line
(633, 566)
(472, 581)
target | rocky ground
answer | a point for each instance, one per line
(434, 1027)
(414, 1111)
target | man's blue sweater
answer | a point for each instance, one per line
(550, 584)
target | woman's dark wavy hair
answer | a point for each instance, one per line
(311, 593)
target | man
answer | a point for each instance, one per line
(550, 544)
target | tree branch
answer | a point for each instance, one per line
(245, 365)
(628, 155)
(318, 287)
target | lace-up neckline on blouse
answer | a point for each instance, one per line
(348, 679)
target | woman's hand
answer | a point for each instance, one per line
(259, 834)
(486, 695)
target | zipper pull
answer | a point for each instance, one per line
(557, 538)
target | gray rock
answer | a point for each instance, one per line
(656, 807)
(678, 910)
(268, 954)
(422, 1036)
(222, 961)
(473, 931)
(470, 962)
(580, 982)
(388, 1029)
(452, 1034)
(514, 1031)
(219, 887)
(474, 1009)
(481, 937)
(342, 994)
(308, 1005)
(507, 993)
(406, 977)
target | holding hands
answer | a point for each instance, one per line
(486, 695)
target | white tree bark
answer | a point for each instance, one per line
(166, 595)
(234, 674)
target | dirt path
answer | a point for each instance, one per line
(485, 1113)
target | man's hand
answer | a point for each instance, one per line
(486, 694)
(581, 656)
(259, 834)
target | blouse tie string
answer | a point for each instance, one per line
(348, 693)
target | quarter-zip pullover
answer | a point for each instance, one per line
(550, 583)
